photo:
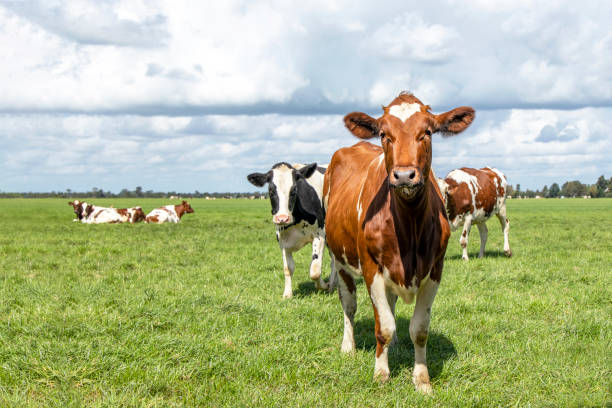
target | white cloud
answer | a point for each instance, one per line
(168, 93)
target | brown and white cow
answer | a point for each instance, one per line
(93, 214)
(471, 196)
(168, 213)
(386, 221)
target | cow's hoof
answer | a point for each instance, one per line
(321, 285)
(424, 388)
(287, 295)
(381, 376)
(508, 253)
(465, 258)
(347, 347)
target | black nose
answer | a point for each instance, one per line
(406, 177)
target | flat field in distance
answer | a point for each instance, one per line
(191, 314)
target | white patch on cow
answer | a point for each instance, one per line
(282, 177)
(404, 110)
(165, 214)
(381, 159)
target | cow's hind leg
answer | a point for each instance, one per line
(505, 225)
(419, 330)
(288, 268)
(384, 326)
(464, 237)
(483, 232)
(347, 292)
(333, 275)
(318, 244)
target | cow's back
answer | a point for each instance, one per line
(475, 192)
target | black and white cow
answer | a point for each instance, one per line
(298, 214)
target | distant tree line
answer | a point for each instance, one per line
(138, 192)
(601, 188)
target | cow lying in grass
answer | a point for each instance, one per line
(298, 215)
(168, 213)
(92, 214)
(473, 196)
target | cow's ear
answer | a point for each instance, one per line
(454, 121)
(361, 125)
(258, 179)
(308, 170)
(70, 203)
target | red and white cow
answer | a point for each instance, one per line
(93, 214)
(386, 221)
(168, 213)
(471, 196)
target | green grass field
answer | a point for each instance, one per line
(191, 314)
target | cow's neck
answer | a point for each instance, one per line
(179, 210)
(411, 208)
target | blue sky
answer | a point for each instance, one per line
(191, 96)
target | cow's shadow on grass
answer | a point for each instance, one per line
(474, 255)
(401, 354)
(307, 288)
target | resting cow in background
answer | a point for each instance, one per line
(168, 213)
(472, 196)
(93, 214)
(297, 213)
(386, 221)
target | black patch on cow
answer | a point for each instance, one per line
(307, 205)
(273, 197)
(315, 256)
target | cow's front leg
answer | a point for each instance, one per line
(467, 225)
(419, 330)
(288, 267)
(384, 326)
(392, 298)
(318, 244)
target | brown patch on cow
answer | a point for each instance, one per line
(153, 218)
(348, 280)
(88, 210)
(464, 234)
(123, 212)
(421, 339)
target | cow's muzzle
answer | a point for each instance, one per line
(281, 219)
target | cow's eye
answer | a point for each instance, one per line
(428, 132)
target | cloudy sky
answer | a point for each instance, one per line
(191, 96)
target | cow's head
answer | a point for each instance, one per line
(81, 208)
(137, 214)
(283, 184)
(405, 130)
(186, 207)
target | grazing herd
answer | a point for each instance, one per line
(93, 214)
(382, 214)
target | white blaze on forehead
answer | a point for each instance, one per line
(282, 177)
(404, 110)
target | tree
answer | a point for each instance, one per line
(601, 186)
(554, 190)
(139, 192)
(545, 192)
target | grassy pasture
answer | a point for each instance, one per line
(191, 314)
